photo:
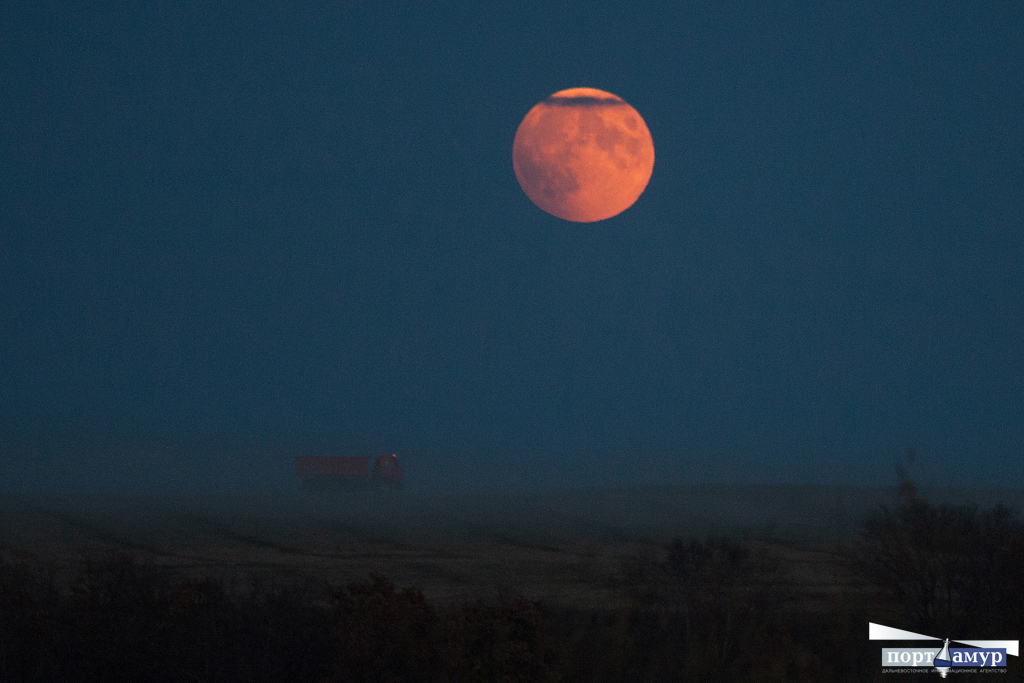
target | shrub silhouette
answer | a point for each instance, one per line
(385, 634)
(120, 610)
(713, 610)
(120, 620)
(28, 622)
(506, 643)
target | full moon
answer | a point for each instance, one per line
(583, 155)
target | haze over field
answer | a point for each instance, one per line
(563, 547)
(232, 233)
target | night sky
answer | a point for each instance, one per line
(235, 231)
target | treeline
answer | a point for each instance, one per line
(708, 609)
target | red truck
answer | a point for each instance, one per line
(328, 472)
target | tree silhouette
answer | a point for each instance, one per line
(948, 568)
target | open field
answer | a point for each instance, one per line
(565, 548)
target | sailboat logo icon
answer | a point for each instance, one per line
(980, 653)
(942, 661)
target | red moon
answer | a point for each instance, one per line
(583, 155)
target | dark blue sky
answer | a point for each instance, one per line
(270, 224)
